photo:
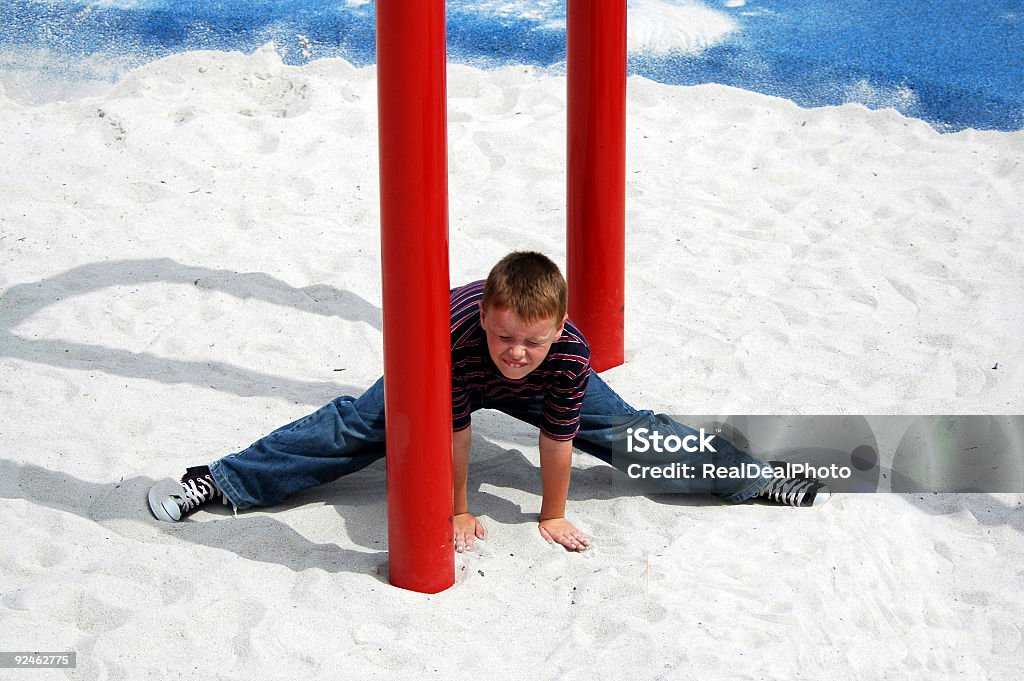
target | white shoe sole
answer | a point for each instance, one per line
(161, 504)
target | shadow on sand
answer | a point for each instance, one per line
(21, 301)
(359, 498)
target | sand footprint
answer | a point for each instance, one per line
(112, 129)
(269, 143)
(497, 161)
(146, 192)
(905, 291)
(183, 115)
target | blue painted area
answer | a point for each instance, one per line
(156, 29)
(962, 59)
(953, 63)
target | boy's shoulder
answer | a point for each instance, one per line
(472, 289)
(571, 348)
(572, 334)
(465, 311)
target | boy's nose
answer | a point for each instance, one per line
(517, 352)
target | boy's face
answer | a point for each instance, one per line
(516, 346)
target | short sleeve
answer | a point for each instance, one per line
(461, 418)
(563, 404)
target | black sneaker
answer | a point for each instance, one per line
(798, 491)
(196, 489)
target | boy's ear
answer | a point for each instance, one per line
(561, 326)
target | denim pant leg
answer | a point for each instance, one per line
(605, 422)
(339, 438)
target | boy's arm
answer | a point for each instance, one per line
(465, 527)
(555, 471)
(460, 467)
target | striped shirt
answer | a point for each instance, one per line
(560, 380)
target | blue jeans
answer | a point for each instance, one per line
(348, 434)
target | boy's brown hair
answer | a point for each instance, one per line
(529, 284)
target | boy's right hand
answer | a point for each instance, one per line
(467, 530)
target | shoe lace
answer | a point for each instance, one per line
(788, 490)
(197, 491)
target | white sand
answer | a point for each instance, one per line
(192, 259)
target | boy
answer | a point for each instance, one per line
(515, 350)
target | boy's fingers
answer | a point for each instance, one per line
(463, 541)
(566, 541)
(571, 541)
(575, 541)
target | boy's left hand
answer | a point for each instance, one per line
(561, 531)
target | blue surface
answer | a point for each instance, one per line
(953, 63)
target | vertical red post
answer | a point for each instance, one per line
(596, 238)
(414, 259)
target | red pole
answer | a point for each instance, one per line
(596, 238)
(414, 264)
